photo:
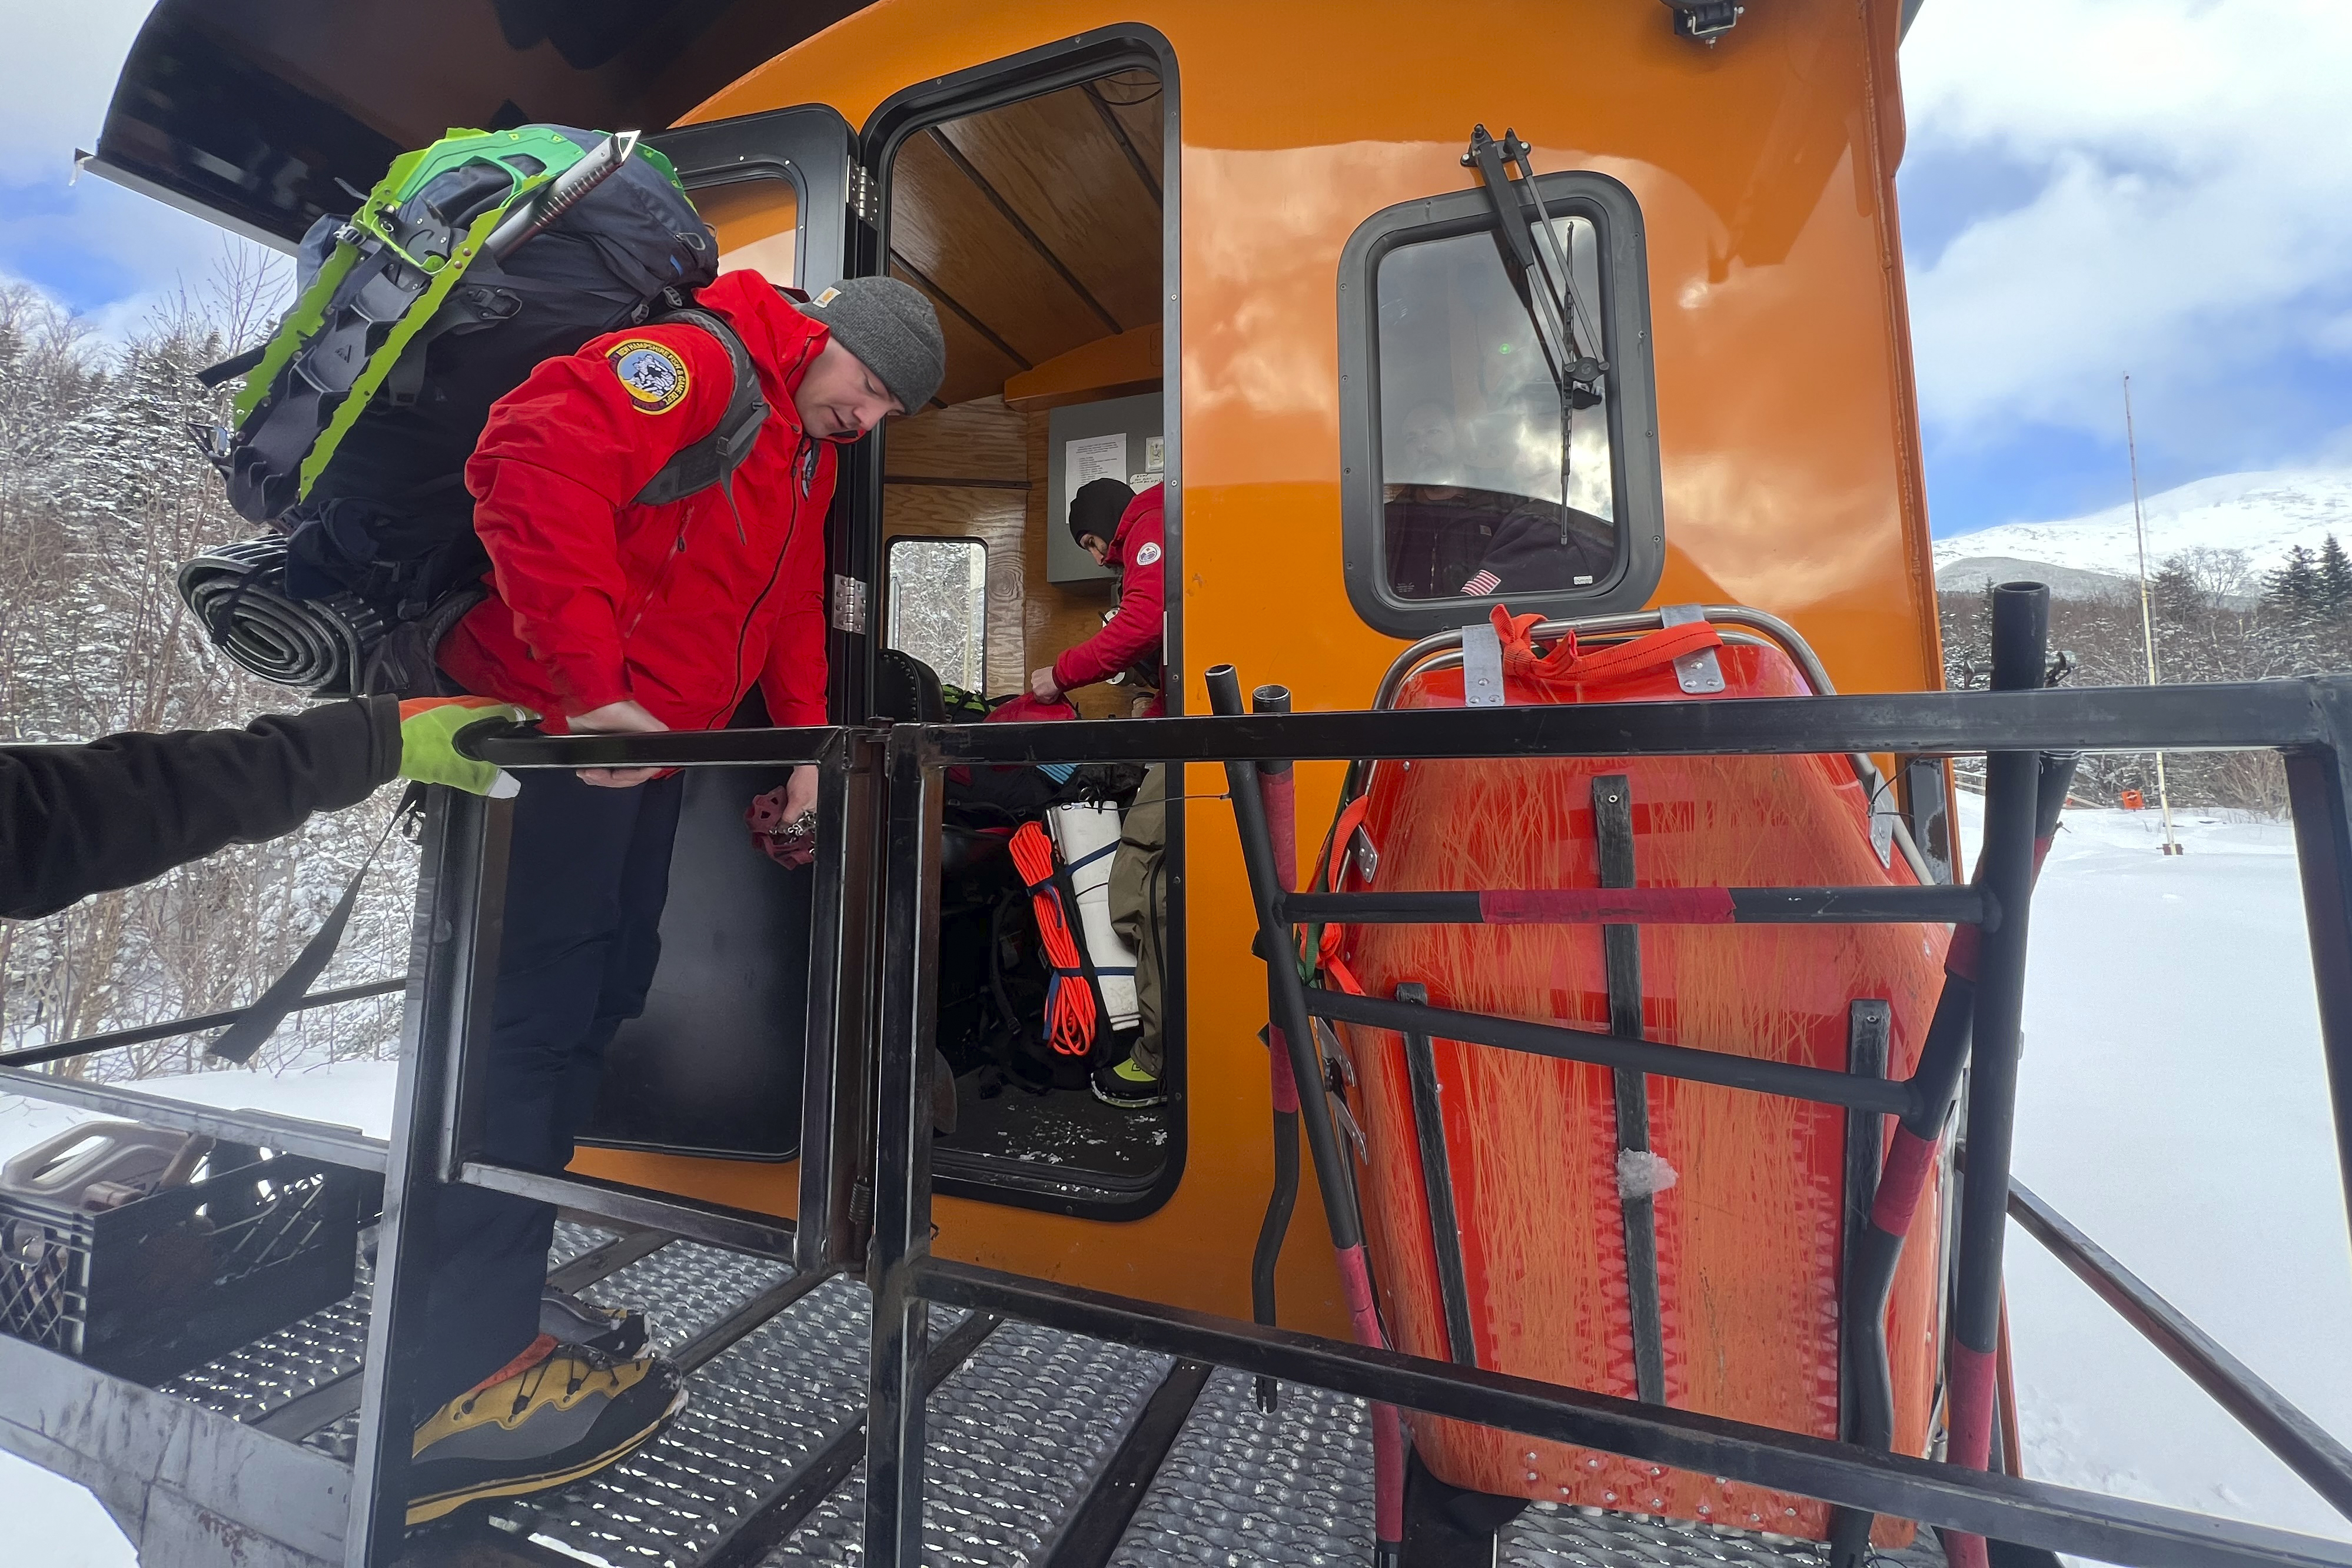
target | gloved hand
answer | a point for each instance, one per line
(429, 731)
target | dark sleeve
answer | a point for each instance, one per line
(81, 819)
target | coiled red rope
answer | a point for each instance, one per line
(1069, 1000)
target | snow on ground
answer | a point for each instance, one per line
(55, 1522)
(2172, 1104)
(2264, 514)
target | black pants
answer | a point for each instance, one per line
(587, 874)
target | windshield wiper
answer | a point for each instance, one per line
(1544, 283)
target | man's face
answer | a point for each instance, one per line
(839, 399)
(1098, 547)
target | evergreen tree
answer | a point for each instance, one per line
(2294, 589)
(2334, 585)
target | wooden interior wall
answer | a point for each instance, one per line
(1034, 227)
(963, 472)
(978, 471)
(1035, 230)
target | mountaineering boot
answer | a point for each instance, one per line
(1126, 1085)
(552, 1415)
(618, 1331)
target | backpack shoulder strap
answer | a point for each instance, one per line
(714, 459)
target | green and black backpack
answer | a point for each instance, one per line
(473, 261)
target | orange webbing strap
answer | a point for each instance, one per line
(1568, 661)
(1069, 1000)
(1326, 952)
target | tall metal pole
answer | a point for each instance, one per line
(2147, 622)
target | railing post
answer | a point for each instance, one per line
(452, 965)
(2319, 788)
(2020, 630)
(841, 992)
(1289, 1026)
(902, 1158)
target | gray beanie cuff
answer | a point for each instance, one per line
(893, 330)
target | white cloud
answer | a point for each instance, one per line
(66, 59)
(2197, 215)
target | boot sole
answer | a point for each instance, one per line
(1124, 1104)
(424, 1510)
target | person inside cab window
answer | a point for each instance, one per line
(1121, 529)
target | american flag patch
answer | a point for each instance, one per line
(1481, 585)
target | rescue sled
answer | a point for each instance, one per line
(1675, 1242)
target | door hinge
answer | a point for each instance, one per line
(848, 603)
(864, 200)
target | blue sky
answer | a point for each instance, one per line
(2090, 188)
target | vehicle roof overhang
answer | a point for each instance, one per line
(258, 113)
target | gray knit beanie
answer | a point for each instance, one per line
(893, 330)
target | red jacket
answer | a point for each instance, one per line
(1135, 633)
(682, 607)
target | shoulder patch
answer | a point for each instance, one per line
(1148, 554)
(652, 374)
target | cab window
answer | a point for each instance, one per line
(1474, 477)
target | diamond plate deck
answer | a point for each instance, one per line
(279, 1368)
(327, 1346)
(1017, 1435)
(756, 1413)
(1241, 1487)
(1549, 1536)
(685, 1287)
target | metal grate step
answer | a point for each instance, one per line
(1549, 1536)
(1017, 1435)
(757, 1412)
(1240, 1486)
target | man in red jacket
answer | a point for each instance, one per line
(1120, 530)
(1123, 530)
(611, 614)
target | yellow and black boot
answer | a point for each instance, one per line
(554, 1415)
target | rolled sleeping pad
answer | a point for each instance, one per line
(1087, 835)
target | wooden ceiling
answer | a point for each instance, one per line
(1034, 227)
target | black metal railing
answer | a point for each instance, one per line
(866, 1115)
(2308, 721)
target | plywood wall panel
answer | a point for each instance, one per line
(1056, 165)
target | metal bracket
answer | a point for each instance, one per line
(865, 197)
(1698, 674)
(848, 603)
(1481, 666)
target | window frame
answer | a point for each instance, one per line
(1624, 316)
(890, 590)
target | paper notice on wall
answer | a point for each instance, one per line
(1089, 458)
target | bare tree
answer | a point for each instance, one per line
(102, 497)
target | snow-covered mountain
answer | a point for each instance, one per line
(2264, 514)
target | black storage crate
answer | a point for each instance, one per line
(172, 1280)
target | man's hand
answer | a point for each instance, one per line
(1041, 687)
(800, 792)
(616, 719)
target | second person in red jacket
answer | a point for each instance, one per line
(1120, 530)
(608, 613)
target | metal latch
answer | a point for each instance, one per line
(864, 200)
(848, 603)
(1698, 674)
(1481, 666)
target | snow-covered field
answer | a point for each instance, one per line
(2173, 1105)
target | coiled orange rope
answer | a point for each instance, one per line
(1069, 1000)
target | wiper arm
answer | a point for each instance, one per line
(1548, 286)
